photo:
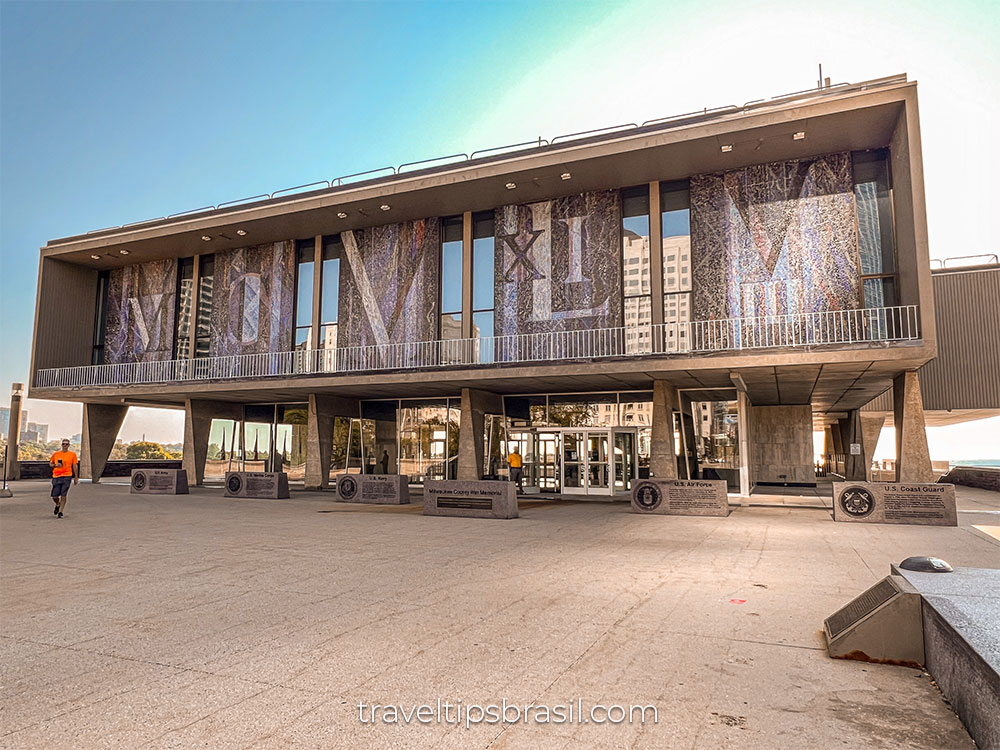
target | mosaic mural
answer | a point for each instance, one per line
(253, 296)
(389, 284)
(139, 323)
(558, 265)
(775, 238)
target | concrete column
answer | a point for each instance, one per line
(198, 416)
(101, 424)
(472, 424)
(854, 469)
(913, 459)
(743, 424)
(871, 428)
(838, 448)
(662, 450)
(14, 431)
(319, 428)
(828, 449)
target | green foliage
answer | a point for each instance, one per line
(144, 451)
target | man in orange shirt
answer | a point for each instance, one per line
(64, 471)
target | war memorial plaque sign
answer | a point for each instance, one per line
(377, 489)
(680, 497)
(159, 482)
(470, 498)
(258, 484)
(889, 502)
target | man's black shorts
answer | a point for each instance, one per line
(60, 486)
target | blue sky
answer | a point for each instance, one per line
(116, 112)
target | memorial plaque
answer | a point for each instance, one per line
(680, 497)
(258, 484)
(377, 489)
(889, 502)
(159, 482)
(470, 498)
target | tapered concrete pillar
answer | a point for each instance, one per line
(471, 431)
(913, 459)
(14, 431)
(101, 424)
(198, 416)
(871, 429)
(837, 433)
(854, 468)
(828, 449)
(662, 451)
(322, 411)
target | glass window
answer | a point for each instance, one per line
(428, 439)
(876, 246)
(305, 262)
(330, 285)
(675, 215)
(185, 303)
(100, 317)
(482, 328)
(203, 320)
(451, 278)
(636, 273)
(482, 261)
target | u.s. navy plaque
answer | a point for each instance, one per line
(891, 502)
(159, 482)
(680, 497)
(377, 489)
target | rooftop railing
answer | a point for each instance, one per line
(870, 326)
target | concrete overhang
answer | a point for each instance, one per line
(861, 117)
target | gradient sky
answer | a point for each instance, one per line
(117, 112)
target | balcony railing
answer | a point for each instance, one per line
(867, 326)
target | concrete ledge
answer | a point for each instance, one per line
(470, 498)
(984, 477)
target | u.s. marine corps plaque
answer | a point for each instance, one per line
(260, 484)
(680, 497)
(891, 502)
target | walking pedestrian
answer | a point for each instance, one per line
(65, 471)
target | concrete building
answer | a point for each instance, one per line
(688, 297)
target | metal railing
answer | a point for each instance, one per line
(871, 326)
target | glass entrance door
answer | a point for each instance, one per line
(598, 463)
(625, 459)
(586, 462)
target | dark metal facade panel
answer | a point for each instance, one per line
(966, 373)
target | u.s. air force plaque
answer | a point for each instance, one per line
(680, 497)
(889, 502)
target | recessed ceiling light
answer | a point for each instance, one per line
(565, 175)
(95, 257)
(727, 148)
(799, 136)
(511, 185)
(206, 238)
(385, 206)
(241, 232)
(341, 214)
(123, 251)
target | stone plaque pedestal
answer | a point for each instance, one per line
(261, 484)
(889, 502)
(680, 497)
(159, 482)
(470, 498)
(377, 489)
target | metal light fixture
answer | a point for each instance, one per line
(799, 136)
(206, 238)
(123, 251)
(511, 185)
(341, 214)
(727, 148)
(385, 206)
(565, 176)
(95, 257)
(241, 232)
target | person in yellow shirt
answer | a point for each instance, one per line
(515, 463)
(65, 471)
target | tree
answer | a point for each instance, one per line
(145, 451)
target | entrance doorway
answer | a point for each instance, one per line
(578, 461)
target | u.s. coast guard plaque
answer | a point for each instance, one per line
(891, 502)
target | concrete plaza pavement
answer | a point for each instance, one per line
(201, 621)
